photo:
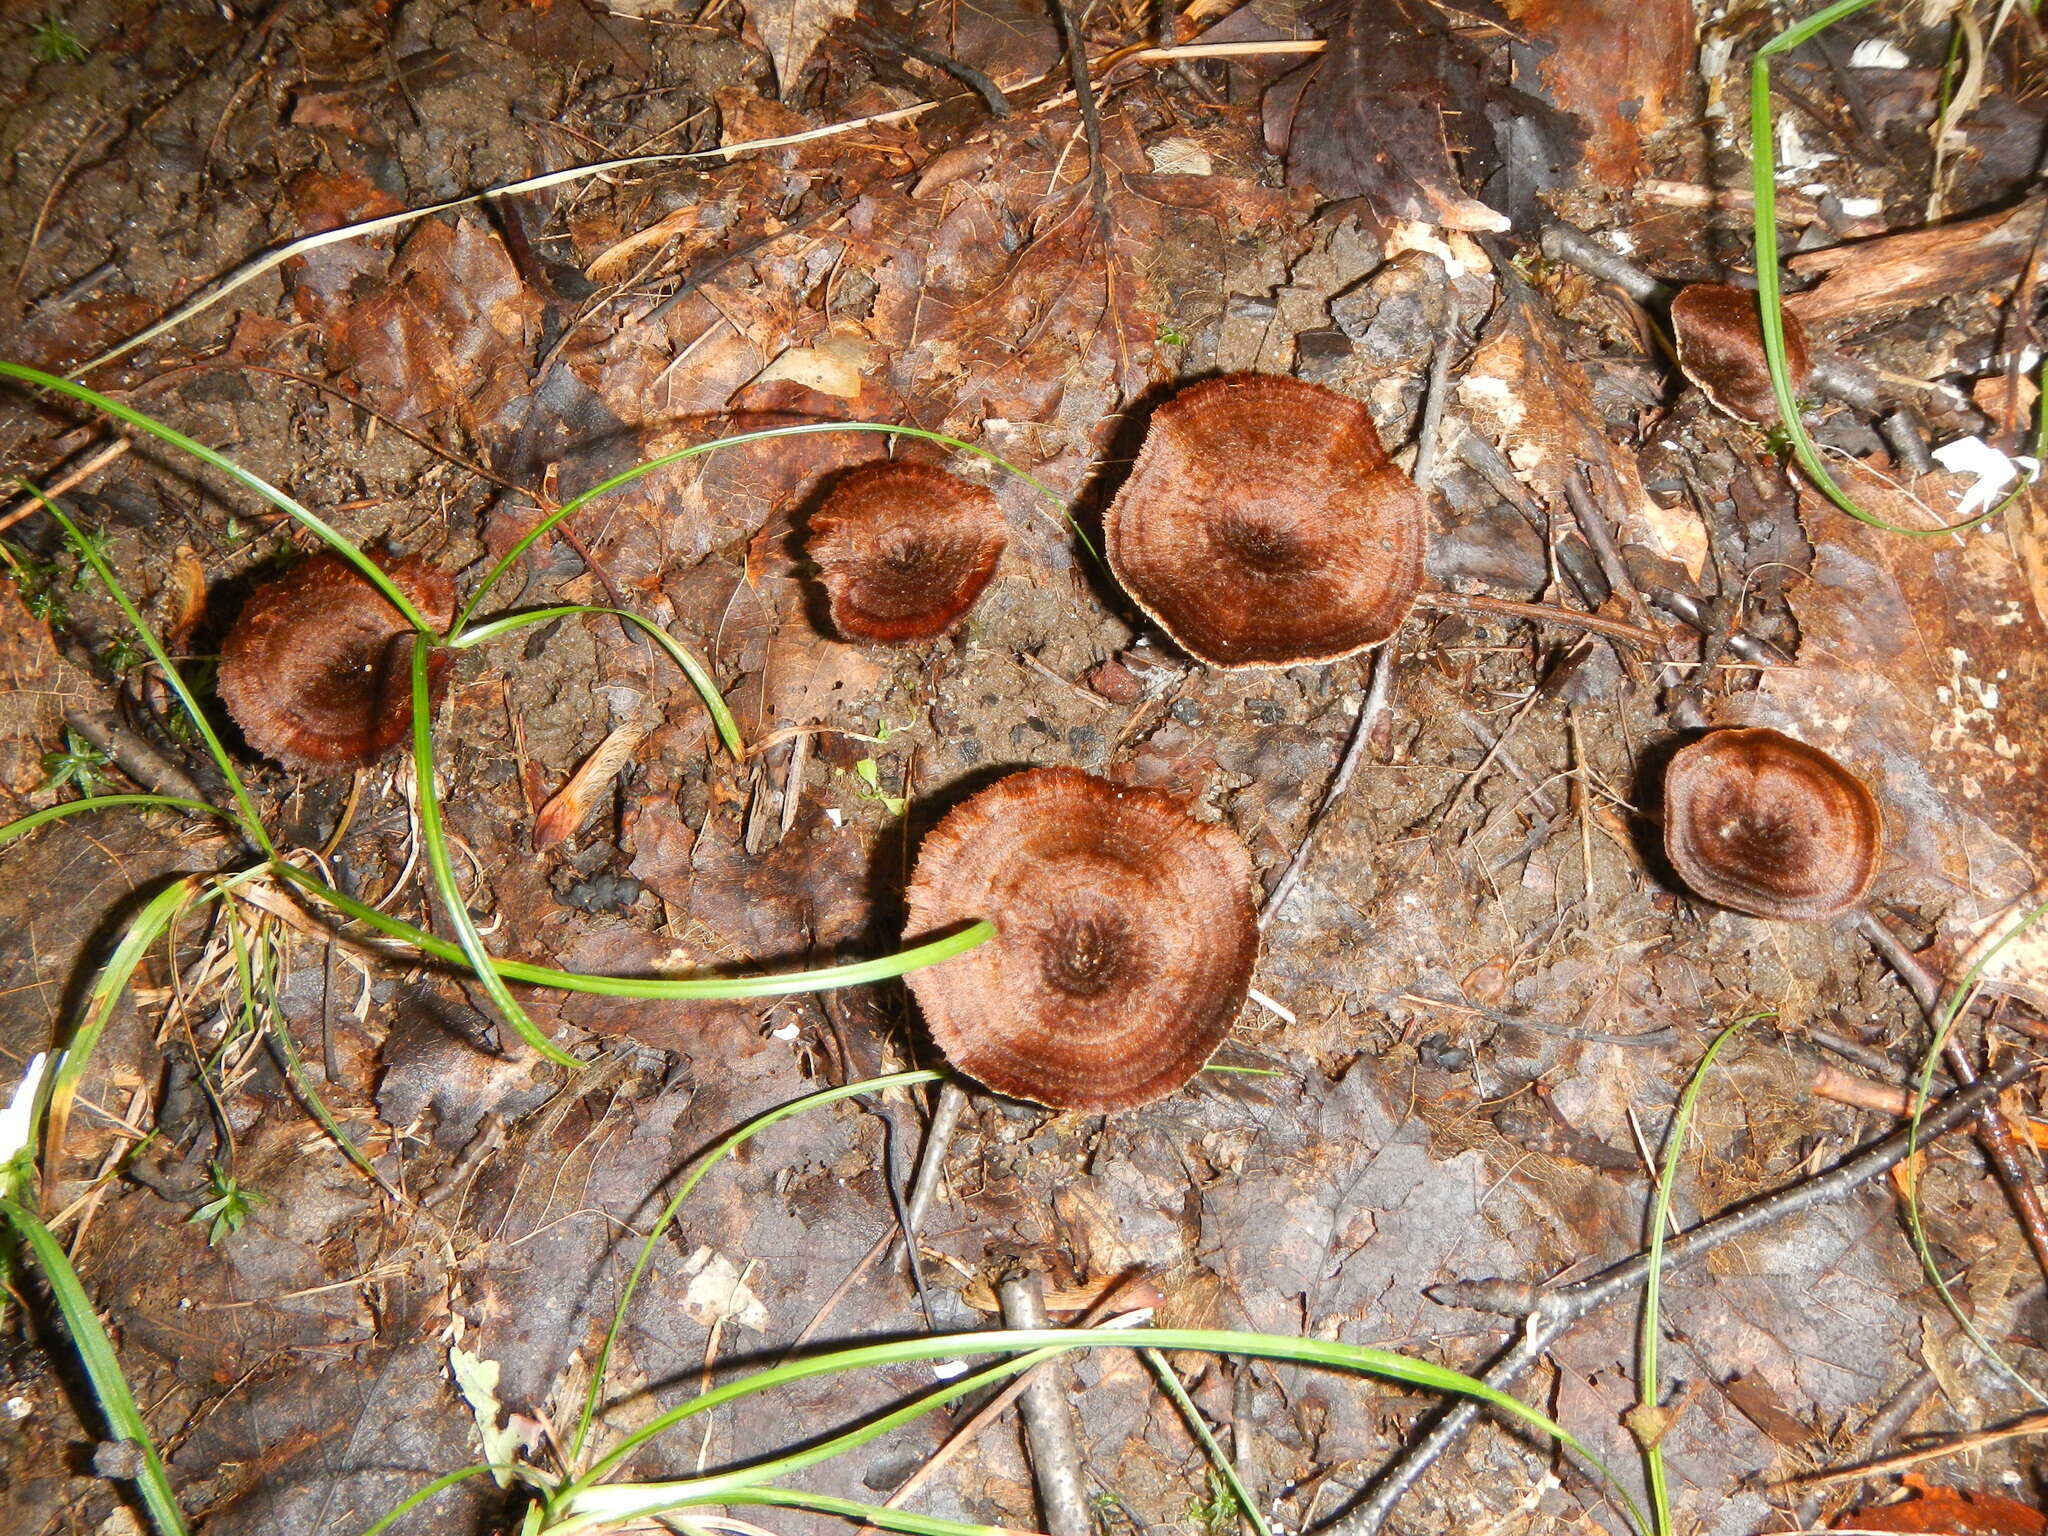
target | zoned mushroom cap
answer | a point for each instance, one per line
(1767, 825)
(904, 549)
(1264, 526)
(318, 669)
(1720, 342)
(1125, 939)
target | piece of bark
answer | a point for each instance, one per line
(1918, 266)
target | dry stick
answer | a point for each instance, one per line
(133, 755)
(1540, 613)
(1354, 750)
(952, 1100)
(1550, 1312)
(2032, 1424)
(1048, 1421)
(1993, 1134)
(1381, 686)
(69, 480)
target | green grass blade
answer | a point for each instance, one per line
(613, 1505)
(250, 823)
(27, 824)
(1923, 1089)
(697, 988)
(302, 1081)
(60, 1087)
(1356, 1358)
(414, 1500)
(102, 1369)
(693, 669)
(334, 539)
(1770, 288)
(1650, 1395)
(435, 839)
(1199, 1428)
(628, 476)
(732, 1143)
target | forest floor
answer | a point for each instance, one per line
(1483, 996)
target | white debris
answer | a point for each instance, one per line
(1861, 207)
(1179, 156)
(1794, 153)
(17, 1119)
(946, 1370)
(1995, 472)
(1876, 53)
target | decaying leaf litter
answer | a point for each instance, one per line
(1489, 987)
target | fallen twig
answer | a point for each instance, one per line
(1550, 1312)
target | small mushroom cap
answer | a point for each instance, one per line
(1720, 341)
(1767, 825)
(904, 550)
(318, 668)
(1264, 526)
(1125, 939)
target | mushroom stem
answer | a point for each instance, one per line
(1048, 1425)
(1540, 613)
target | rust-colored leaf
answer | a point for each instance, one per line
(1620, 67)
(1948, 1512)
(563, 816)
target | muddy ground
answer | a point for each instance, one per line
(1489, 987)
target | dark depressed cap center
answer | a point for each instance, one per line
(1263, 525)
(1126, 934)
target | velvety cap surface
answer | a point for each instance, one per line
(317, 669)
(904, 550)
(1264, 526)
(1126, 936)
(1721, 348)
(1767, 825)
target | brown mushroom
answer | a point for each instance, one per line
(1720, 341)
(1767, 825)
(904, 550)
(1263, 525)
(1125, 939)
(317, 670)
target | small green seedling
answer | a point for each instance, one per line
(53, 42)
(80, 763)
(37, 581)
(870, 775)
(227, 1208)
(1172, 336)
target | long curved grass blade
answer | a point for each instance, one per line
(1358, 1358)
(250, 823)
(615, 1504)
(1770, 289)
(414, 1500)
(1653, 1285)
(693, 669)
(22, 826)
(435, 839)
(1199, 1427)
(698, 450)
(102, 1369)
(700, 988)
(227, 466)
(267, 261)
(1923, 1089)
(156, 918)
(736, 1140)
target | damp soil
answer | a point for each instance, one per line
(1479, 1001)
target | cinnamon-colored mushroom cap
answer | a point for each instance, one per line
(1767, 825)
(904, 550)
(1125, 939)
(1721, 348)
(318, 669)
(1264, 526)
